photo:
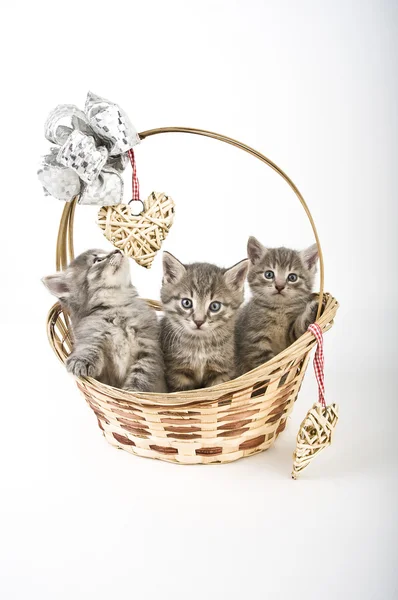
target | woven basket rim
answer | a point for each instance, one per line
(202, 395)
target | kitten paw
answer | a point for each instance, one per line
(80, 367)
(313, 311)
(218, 379)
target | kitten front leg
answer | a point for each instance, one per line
(87, 356)
(179, 380)
(85, 360)
(304, 320)
(215, 378)
(146, 371)
(257, 351)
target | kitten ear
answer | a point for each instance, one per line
(255, 250)
(236, 275)
(310, 256)
(173, 270)
(57, 285)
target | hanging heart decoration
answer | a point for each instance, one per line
(316, 431)
(138, 236)
(315, 434)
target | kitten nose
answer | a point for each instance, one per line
(117, 251)
(279, 287)
(198, 324)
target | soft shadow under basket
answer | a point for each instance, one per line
(213, 425)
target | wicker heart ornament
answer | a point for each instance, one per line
(315, 434)
(138, 236)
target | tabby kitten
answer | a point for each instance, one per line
(116, 334)
(200, 302)
(282, 305)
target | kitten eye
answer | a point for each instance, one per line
(186, 303)
(292, 277)
(269, 274)
(98, 259)
(215, 306)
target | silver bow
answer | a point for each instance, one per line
(89, 152)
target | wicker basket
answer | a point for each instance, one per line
(213, 425)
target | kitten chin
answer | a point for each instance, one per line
(200, 303)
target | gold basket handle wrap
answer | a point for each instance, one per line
(65, 251)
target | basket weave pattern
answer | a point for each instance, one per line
(138, 236)
(218, 424)
(315, 434)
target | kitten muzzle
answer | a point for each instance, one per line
(116, 259)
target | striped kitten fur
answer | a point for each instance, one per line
(116, 334)
(281, 307)
(200, 303)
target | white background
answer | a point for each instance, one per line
(313, 86)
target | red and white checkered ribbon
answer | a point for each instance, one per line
(136, 183)
(319, 362)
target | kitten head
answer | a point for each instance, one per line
(280, 275)
(201, 298)
(93, 277)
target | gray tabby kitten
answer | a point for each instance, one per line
(282, 305)
(116, 334)
(200, 303)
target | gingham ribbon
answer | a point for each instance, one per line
(136, 183)
(319, 362)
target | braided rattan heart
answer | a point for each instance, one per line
(315, 434)
(139, 237)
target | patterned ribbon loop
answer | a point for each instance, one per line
(136, 184)
(89, 152)
(111, 124)
(61, 122)
(319, 362)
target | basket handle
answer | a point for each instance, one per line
(65, 252)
